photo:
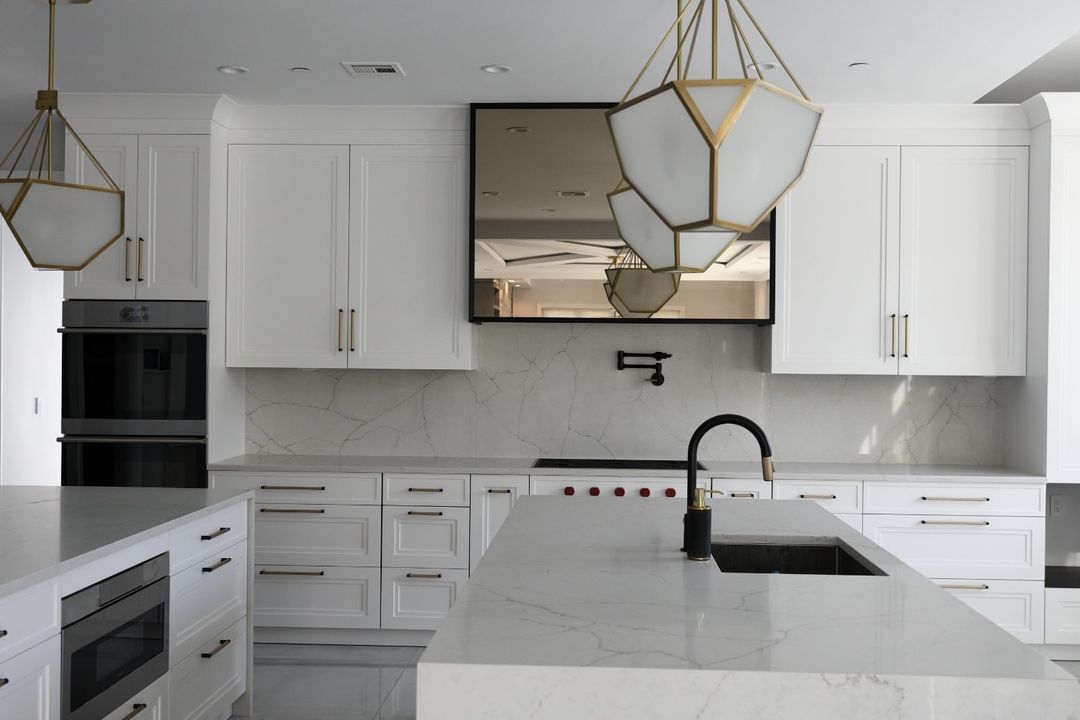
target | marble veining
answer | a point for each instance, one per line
(553, 391)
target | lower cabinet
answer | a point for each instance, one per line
(432, 537)
(204, 685)
(206, 597)
(419, 598)
(1014, 605)
(152, 703)
(30, 683)
(1063, 615)
(855, 520)
(316, 597)
(493, 497)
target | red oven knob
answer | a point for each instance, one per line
(644, 492)
(619, 492)
(568, 490)
(594, 491)
(670, 492)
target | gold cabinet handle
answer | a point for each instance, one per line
(500, 491)
(340, 330)
(352, 330)
(955, 522)
(216, 534)
(311, 511)
(139, 259)
(426, 490)
(893, 352)
(127, 260)
(965, 587)
(808, 496)
(219, 564)
(424, 576)
(943, 498)
(222, 644)
(292, 487)
(135, 710)
(425, 514)
(907, 335)
(294, 573)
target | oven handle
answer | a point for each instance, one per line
(142, 439)
(131, 331)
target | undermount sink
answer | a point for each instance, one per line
(791, 559)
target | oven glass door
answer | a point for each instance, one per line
(116, 652)
(134, 462)
(134, 383)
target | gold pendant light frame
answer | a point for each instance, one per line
(627, 273)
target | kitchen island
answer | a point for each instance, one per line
(589, 610)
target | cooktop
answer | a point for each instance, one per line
(611, 464)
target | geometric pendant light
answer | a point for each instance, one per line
(635, 290)
(620, 308)
(714, 153)
(59, 225)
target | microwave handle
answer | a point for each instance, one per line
(127, 439)
(131, 331)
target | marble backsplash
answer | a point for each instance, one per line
(552, 390)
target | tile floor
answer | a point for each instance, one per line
(335, 682)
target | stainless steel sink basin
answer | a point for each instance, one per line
(791, 559)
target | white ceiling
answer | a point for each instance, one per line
(919, 50)
(1056, 71)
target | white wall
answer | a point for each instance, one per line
(30, 309)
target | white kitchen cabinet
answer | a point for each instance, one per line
(30, 683)
(742, 488)
(288, 256)
(493, 497)
(316, 597)
(963, 260)
(426, 489)
(407, 257)
(1063, 616)
(428, 537)
(151, 703)
(836, 496)
(837, 264)
(204, 684)
(1014, 605)
(28, 618)
(207, 598)
(335, 535)
(419, 598)
(163, 254)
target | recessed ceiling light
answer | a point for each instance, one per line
(858, 65)
(517, 129)
(763, 67)
(300, 69)
(232, 69)
(496, 69)
(490, 193)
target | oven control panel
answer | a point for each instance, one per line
(592, 487)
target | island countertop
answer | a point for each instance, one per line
(45, 531)
(593, 600)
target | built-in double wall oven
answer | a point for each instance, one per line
(133, 395)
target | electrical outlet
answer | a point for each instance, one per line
(1057, 504)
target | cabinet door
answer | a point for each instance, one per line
(837, 265)
(173, 224)
(30, 683)
(963, 255)
(419, 598)
(111, 276)
(408, 257)
(288, 255)
(316, 597)
(493, 496)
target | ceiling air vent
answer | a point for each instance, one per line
(374, 69)
(565, 194)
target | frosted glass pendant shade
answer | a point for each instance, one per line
(620, 307)
(713, 154)
(62, 226)
(640, 290)
(663, 249)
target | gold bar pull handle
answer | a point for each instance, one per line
(965, 587)
(955, 522)
(222, 644)
(127, 260)
(341, 330)
(810, 496)
(136, 709)
(311, 511)
(500, 491)
(892, 352)
(424, 576)
(294, 573)
(139, 260)
(425, 514)
(907, 335)
(944, 498)
(352, 330)
(426, 490)
(219, 564)
(216, 534)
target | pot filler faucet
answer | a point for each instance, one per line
(697, 522)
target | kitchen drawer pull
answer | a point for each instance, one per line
(135, 710)
(892, 352)
(426, 513)
(499, 491)
(424, 576)
(138, 260)
(293, 510)
(340, 330)
(127, 260)
(943, 498)
(219, 564)
(966, 587)
(3, 682)
(293, 487)
(907, 335)
(216, 534)
(743, 495)
(221, 646)
(353, 333)
(810, 496)
(294, 573)
(3, 633)
(955, 522)
(426, 490)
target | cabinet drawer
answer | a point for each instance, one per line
(206, 599)
(29, 617)
(32, 690)
(854, 520)
(316, 597)
(939, 498)
(426, 490)
(339, 535)
(838, 496)
(204, 685)
(303, 488)
(998, 548)
(419, 598)
(1063, 616)
(206, 536)
(1014, 605)
(735, 488)
(425, 537)
(151, 703)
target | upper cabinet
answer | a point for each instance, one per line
(163, 253)
(347, 257)
(909, 261)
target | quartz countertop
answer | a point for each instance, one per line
(524, 466)
(579, 597)
(45, 531)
